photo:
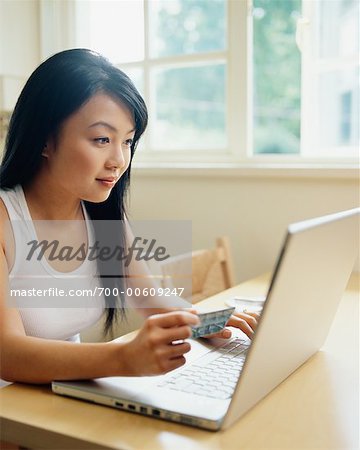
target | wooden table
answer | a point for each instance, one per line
(317, 407)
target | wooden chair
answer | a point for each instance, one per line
(201, 273)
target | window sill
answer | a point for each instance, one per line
(254, 170)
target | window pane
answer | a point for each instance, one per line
(117, 29)
(338, 30)
(338, 109)
(189, 108)
(186, 26)
(332, 71)
(276, 72)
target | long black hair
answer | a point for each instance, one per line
(54, 91)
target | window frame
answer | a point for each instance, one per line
(234, 106)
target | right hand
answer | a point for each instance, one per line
(153, 350)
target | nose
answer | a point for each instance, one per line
(116, 158)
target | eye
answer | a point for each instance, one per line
(102, 140)
(129, 142)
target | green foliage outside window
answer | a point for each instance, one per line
(277, 76)
(190, 100)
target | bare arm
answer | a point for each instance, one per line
(34, 360)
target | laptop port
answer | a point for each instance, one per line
(120, 405)
(156, 412)
(132, 407)
(143, 410)
(185, 419)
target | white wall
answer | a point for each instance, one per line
(19, 49)
(19, 37)
(254, 212)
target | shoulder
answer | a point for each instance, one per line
(6, 235)
(4, 218)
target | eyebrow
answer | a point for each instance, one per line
(108, 125)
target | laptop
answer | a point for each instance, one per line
(222, 380)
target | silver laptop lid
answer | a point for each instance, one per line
(307, 285)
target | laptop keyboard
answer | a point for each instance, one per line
(212, 375)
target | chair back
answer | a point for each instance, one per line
(202, 273)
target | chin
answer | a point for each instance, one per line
(97, 198)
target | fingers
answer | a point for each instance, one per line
(169, 327)
(250, 317)
(246, 322)
(178, 349)
(256, 315)
(165, 355)
(174, 334)
(223, 334)
(242, 324)
(175, 363)
(180, 330)
(170, 356)
(161, 342)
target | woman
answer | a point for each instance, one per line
(71, 140)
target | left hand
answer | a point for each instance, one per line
(245, 321)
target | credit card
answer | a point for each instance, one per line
(211, 322)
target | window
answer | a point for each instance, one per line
(176, 53)
(234, 81)
(330, 113)
(306, 95)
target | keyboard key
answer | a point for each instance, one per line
(205, 360)
(214, 375)
(183, 383)
(221, 395)
(203, 392)
(230, 384)
(192, 388)
(214, 384)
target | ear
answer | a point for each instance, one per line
(48, 148)
(45, 153)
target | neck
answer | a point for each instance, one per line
(49, 202)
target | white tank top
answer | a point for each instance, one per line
(63, 323)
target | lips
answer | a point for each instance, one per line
(107, 182)
(110, 179)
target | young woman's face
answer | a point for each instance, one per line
(92, 150)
